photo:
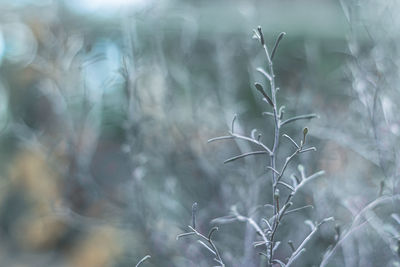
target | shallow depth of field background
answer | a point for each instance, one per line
(106, 108)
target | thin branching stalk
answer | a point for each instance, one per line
(277, 176)
(211, 247)
(268, 234)
(301, 247)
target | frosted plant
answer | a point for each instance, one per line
(283, 190)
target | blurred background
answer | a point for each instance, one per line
(106, 107)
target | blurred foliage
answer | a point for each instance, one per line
(106, 107)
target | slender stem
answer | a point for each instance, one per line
(209, 240)
(301, 248)
(274, 151)
(256, 227)
(245, 155)
(142, 260)
(275, 175)
(288, 159)
(298, 209)
(301, 117)
(238, 136)
(291, 140)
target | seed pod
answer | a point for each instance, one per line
(305, 132)
(278, 40)
(261, 35)
(260, 88)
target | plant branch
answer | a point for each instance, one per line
(238, 136)
(256, 227)
(291, 140)
(300, 117)
(212, 249)
(143, 260)
(245, 155)
(301, 248)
